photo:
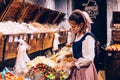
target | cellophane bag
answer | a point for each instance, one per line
(22, 57)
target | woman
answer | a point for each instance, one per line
(83, 45)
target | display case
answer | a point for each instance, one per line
(116, 27)
(112, 65)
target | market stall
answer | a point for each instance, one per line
(25, 39)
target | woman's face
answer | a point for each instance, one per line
(75, 27)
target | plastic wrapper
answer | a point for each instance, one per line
(7, 74)
(56, 42)
(22, 57)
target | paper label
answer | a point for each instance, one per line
(38, 36)
(21, 36)
(32, 36)
(16, 39)
(25, 37)
(10, 38)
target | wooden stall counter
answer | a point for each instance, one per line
(11, 44)
(48, 40)
(1, 46)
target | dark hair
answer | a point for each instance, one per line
(76, 17)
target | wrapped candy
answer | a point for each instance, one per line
(22, 58)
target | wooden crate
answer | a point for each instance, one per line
(52, 16)
(42, 16)
(32, 9)
(13, 11)
(3, 6)
(59, 18)
(48, 40)
(32, 41)
(63, 37)
(1, 46)
(39, 41)
(24, 37)
(11, 46)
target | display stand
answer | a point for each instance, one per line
(39, 42)
(112, 64)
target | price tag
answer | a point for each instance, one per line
(16, 39)
(21, 36)
(46, 35)
(38, 36)
(10, 38)
(109, 54)
(25, 37)
(32, 36)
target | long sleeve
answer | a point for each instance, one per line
(87, 52)
(88, 47)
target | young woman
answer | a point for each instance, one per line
(83, 46)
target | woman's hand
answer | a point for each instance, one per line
(82, 62)
(68, 44)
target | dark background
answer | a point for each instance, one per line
(99, 27)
